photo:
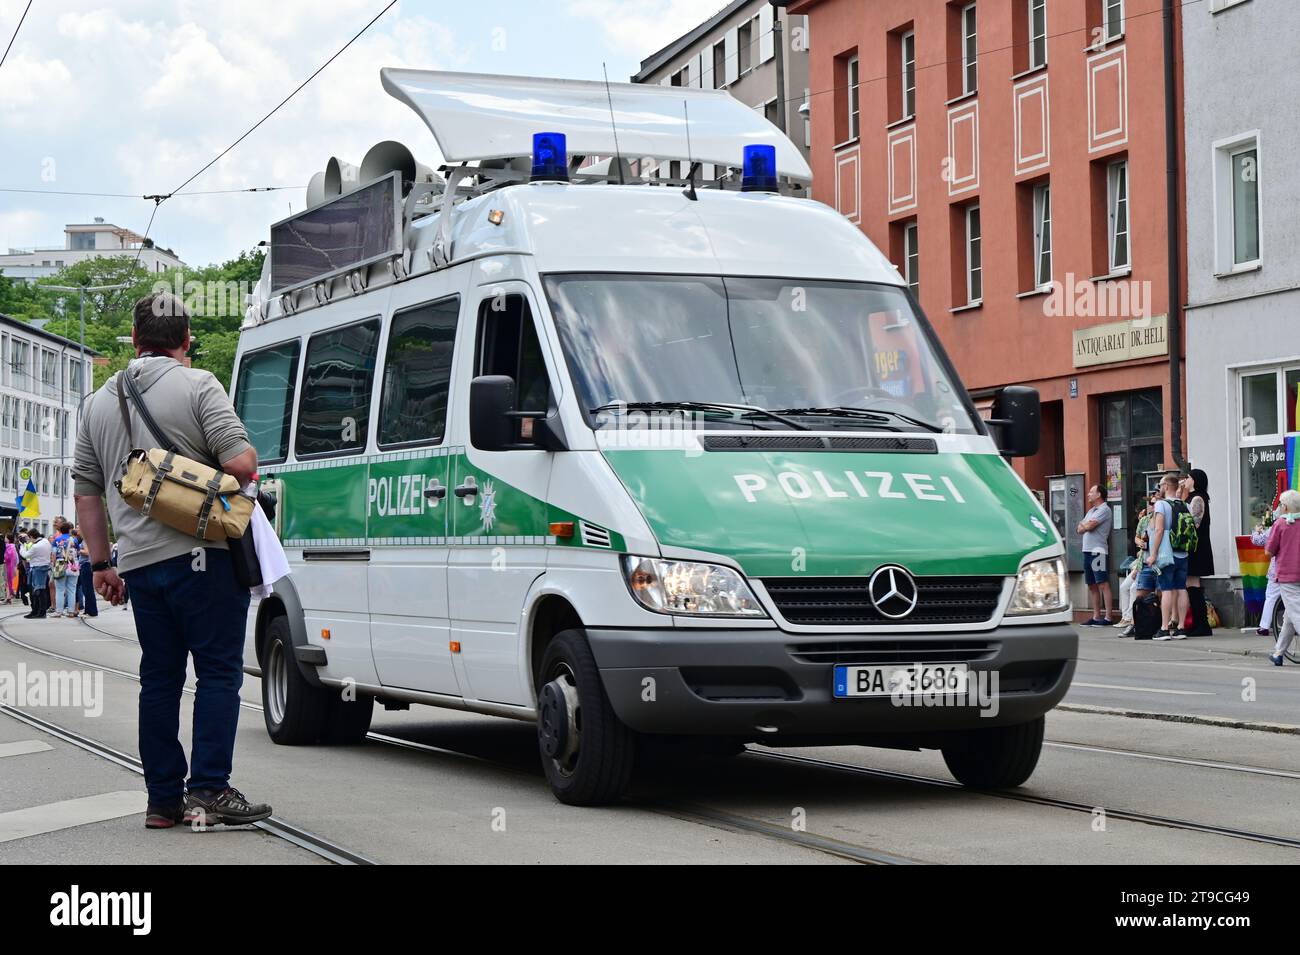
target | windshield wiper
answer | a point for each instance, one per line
(746, 411)
(879, 415)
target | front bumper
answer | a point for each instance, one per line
(775, 686)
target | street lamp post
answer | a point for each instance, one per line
(778, 47)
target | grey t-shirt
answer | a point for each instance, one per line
(1097, 540)
(191, 408)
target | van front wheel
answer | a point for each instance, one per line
(587, 751)
(294, 710)
(1000, 757)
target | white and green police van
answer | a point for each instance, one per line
(640, 460)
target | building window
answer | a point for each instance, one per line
(719, 65)
(907, 49)
(1245, 205)
(969, 50)
(1117, 217)
(974, 257)
(1113, 15)
(1042, 235)
(807, 118)
(912, 258)
(853, 96)
(769, 111)
(744, 45)
(1267, 413)
(682, 77)
(1237, 202)
(1037, 33)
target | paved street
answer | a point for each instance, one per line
(438, 786)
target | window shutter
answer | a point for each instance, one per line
(766, 44)
(731, 50)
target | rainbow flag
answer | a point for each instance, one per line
(1254, 575)
(1292, 462)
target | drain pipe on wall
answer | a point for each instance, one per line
(1172, 168)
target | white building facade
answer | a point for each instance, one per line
(735, 50)
(43, 379)
(1243, 255)
(83, 241)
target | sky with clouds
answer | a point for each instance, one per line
(134, 96)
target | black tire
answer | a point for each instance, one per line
(347, 721)
(294, 710)
(599, 768)
(1000, 757)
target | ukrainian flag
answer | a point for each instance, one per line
(29, 504)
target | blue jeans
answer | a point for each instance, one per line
(65, 593)
(180, 611)
(86, 590)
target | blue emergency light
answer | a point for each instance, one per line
(759, 169)
(550, 158)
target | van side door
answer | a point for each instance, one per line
(498, 508)
(408, 493)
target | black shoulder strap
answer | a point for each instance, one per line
(164, 442)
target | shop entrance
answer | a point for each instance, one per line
(1132, 444)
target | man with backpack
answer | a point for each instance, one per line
(1172, 533)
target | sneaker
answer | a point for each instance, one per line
(1162, 635)
(1128, 633)
(228, 807)
(1264, 632)
(163, 817)
(1177, 635)
(1092, 622)
(1124, 624)
(53, 615)
(1276, 660)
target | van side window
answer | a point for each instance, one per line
(264, 399)
(508, 345)
(334, 409)
(417, 374)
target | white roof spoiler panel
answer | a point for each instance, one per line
(477, 116)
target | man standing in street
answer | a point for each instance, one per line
(37, 554)
(1095, 528)
(186, 599)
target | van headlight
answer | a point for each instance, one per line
(1042, 587)
(677, 586)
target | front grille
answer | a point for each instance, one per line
(894, 651)
(845, 602)
(811, 442)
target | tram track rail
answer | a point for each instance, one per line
(813, 841)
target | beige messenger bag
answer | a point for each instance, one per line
(178, 491)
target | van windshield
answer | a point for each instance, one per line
(818, 354)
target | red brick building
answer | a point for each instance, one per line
(1011, 157)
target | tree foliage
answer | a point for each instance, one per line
(215, 295)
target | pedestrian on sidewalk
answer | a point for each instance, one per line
(64, 567)
(187, 601)
(11, 568)
(1169, 563)
(37, 554)
(85, 579)
(1284, 545)
(1272, 593)
(1200, 562)
(1132, 588)
(1095, 528)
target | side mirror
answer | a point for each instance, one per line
(1016, 413)
(495, 425)
(491, 400)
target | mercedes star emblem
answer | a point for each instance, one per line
(893, 592)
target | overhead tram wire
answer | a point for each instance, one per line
(5, 56)
(132, 195)
(161, 198)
